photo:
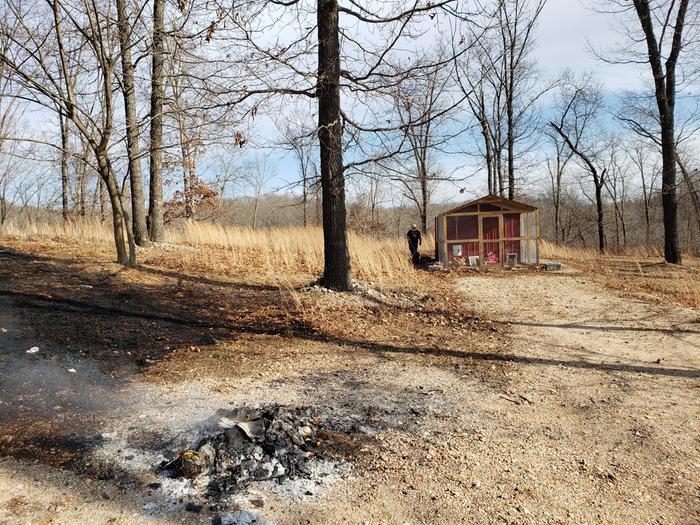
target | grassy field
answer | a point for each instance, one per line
(638, 271)
(461, 396)
(241, 250)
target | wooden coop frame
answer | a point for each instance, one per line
(490, 231)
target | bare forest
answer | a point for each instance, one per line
(209, 311)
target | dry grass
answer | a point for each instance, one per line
(550, 250)
(638, 271)
(237, 250)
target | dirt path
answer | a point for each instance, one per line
(604, 396)
(565, 404)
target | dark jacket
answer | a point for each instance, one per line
(414, 237)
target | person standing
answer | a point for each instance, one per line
(414, 241)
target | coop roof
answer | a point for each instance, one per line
(494, 200)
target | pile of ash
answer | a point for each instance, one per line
(254, 444)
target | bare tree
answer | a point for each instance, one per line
(257, 174)
(665, 36)
(364, 76)
(649, 172)
(425, 109)
(503, 87)
(663, 68)
(299, 140)
(616, 184)
(517, 22)
(156, 229)
(584, 103)
(138, 210)
(559, 158)
(41, 61)
(484, 94)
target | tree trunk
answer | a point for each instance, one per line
(82, 189)
(156, 229)
(647, 230)
(336, 270)
(556, 197)
(424, 203)
(600, 215)
(665, 93)
(103, 205)
(65, 189)
(107, 177)
(646, 194)
(510, 138)
(138, 210)
(255, 211)
(305, 196)
(187, 167)
(669, 201)
(499, 171)
(488, 156)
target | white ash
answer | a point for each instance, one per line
(277, 445)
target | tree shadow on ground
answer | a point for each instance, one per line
(607, 328)
(109, 326)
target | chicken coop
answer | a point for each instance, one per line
(490, 231)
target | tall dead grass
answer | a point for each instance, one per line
(274, 251)
(295, 249)
(550, 250)
(638, 270)
(84, 229)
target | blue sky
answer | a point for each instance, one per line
(565, 29)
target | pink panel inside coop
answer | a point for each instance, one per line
(490, 227)
(511, 225)
(492, 253)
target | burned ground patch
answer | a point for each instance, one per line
(270, 443)
(107, 335)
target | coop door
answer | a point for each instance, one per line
(491, 240)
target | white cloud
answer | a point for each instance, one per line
(565, 28)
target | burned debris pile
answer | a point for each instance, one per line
(254, 444)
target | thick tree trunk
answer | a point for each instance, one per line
(156, 229)
(336, 270)
(600, 215)
(669, 200)
(65, 188)
(665, 93)
(138, 209)
(424, 203)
